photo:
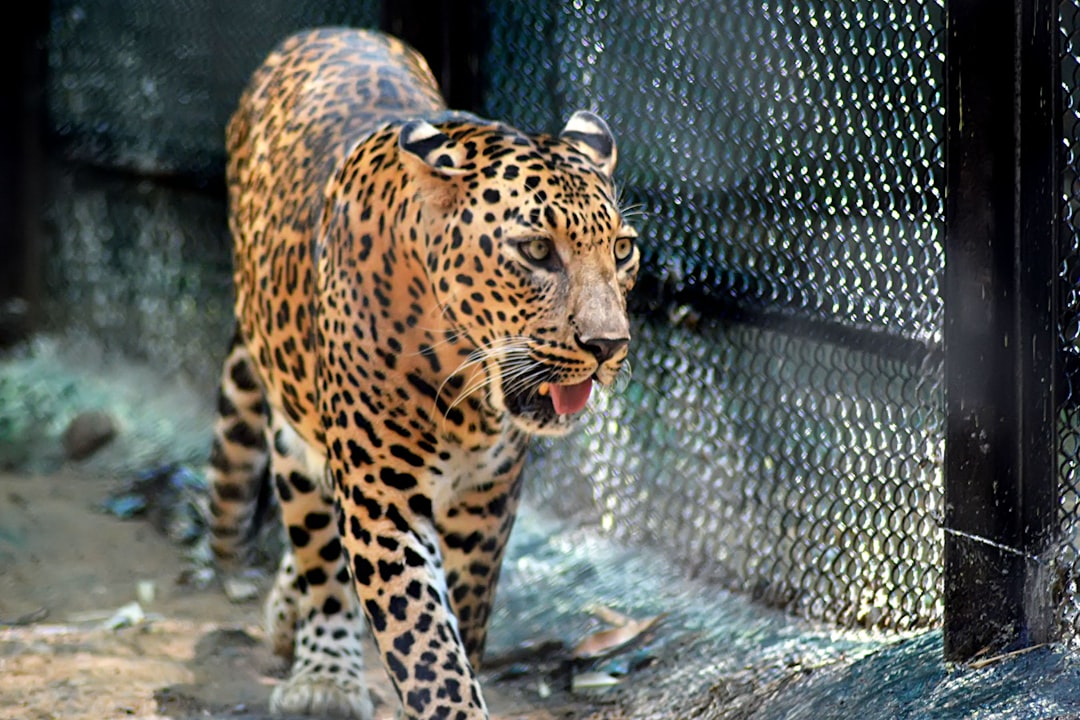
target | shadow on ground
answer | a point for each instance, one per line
(714, 655)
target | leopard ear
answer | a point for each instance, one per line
(588, 133)
(425, 142)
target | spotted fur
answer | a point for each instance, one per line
(418, 291)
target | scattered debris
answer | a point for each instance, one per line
(620, 665)
(168, 496)
(599, 664)
(87, 433)
(526, 653)
(593, 665)
(583, 682)
(128, 615)
(611, 640)
(28, 619)
(199, 578)
(146, 591)
(611, 616)
(124, 507)
(240, 589)
(984, 662)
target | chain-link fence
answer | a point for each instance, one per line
(1069, 323)
(148, 85)
(138, 96)
(784, 430)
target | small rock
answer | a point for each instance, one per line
(198, 578)
(87, 433)
(240, 590)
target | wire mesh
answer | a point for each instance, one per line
(801, 472)
(149, 85)
(785, 162)
(142, 269)
(138, 96)
(1068, 589)
(782, 155)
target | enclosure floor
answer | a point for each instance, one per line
(199, 655)
(196, 655)
(65, 567)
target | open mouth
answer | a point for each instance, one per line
(567, 399)
(550, 402)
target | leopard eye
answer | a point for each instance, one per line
(536, 250)
(624, 249)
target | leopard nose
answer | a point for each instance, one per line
(603, 348)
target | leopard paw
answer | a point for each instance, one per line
(319, 695)
(280, 611)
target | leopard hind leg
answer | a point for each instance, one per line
(237, 472)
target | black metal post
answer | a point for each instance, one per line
(452, 35)
(1001, 229)
(22, 160)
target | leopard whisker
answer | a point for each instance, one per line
(504, 349)
(507, 360)
(526, 375)
(621, 381)
(636, 211)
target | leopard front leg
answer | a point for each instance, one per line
(473, 531)
(311, 614)
(393, 548)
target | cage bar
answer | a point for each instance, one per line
(21, 177)
(452, 37)
(1001, 219)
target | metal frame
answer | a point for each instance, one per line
(22, 157)
(1001, 339)
(452, 37)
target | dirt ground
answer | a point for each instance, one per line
(66, 568)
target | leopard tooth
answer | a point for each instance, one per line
(544, 389)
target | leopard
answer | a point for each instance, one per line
(419, 292)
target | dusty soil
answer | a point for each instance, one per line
(65, 569)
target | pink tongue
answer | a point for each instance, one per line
(570, 399)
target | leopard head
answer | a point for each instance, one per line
(530, 258)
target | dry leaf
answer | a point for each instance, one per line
(610, 616)
(984, 662)
(27, 619)
(605, 642)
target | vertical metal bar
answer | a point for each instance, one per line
(452, 35)
(982, 556)
(22, 165)
(1000, 325)
(1038, 251)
